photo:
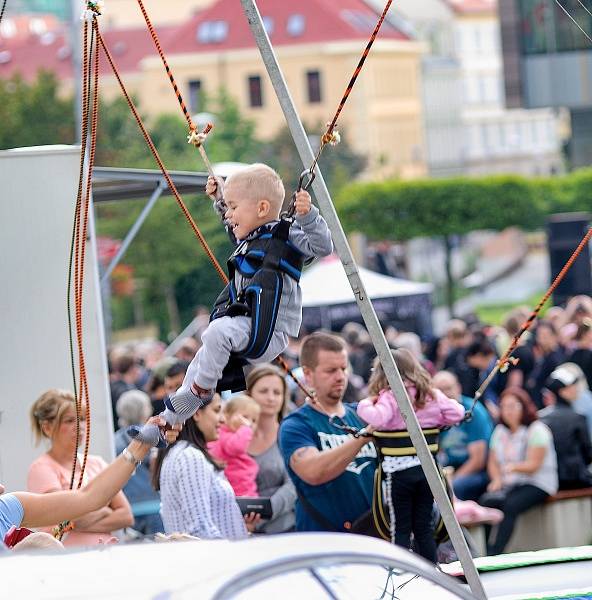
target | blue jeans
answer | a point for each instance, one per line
(470, 487)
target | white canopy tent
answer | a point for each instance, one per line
(328, 300)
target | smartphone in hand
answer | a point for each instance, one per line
(261, 506)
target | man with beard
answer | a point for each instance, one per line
(333, 471)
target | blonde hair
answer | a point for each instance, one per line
(240, 402)
(38, 540)
(410, 370)
(260, 182)
(51, 406)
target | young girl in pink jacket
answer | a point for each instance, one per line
(241, 414)
(412, 499)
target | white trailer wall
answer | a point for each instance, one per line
(37, 197)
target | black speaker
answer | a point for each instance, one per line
(564, 233)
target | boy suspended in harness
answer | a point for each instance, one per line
(262, 304)
(407, 494)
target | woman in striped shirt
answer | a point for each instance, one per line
(195, 496)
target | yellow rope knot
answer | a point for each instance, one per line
(198, 138)
(331, 137)
(506, 365)
(94, 8)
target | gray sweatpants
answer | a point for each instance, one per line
(223, 336)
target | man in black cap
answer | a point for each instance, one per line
(570, 431)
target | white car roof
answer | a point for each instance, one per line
(157, 570)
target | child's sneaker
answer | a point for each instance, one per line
(183, 405)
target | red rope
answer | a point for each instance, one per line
(505, 359)
(328, 135)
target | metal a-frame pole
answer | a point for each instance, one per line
(366, 308)
(131, 234)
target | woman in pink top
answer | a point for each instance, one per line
(241, 414)
(53, 416)
(412, 500)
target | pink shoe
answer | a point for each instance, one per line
(469, 512)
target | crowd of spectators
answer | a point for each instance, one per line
(529, 435)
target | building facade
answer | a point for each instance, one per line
(548, 62)
(468, 127)
(318, 44)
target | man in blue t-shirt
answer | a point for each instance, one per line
(333, 472)
(464, 447)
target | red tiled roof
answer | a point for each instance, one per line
(472, 6)
(51, 52)
(21, 26)
(324, 20)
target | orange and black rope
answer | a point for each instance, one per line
(308, 176)
(503, 363)
(2, 10)
(84, 391)
(158, 160)
(284, 365)
(192, 126)
(86, 50)
(326, 137)
(90, 80)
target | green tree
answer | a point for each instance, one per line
(233, 137)
(167, 258)
(399, 210)
(120, 142)
(33, 114)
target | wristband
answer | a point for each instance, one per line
(130, 458)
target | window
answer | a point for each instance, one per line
(546, 28)
(361, 21)
(295, 25)
(255, 91)
(268, 24)
(195, 95)
(313, 86)
(212, 32)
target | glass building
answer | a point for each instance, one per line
(548, 63)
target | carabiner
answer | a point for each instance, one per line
(304, 184)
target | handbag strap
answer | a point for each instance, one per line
(316, 515)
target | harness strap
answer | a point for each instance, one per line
(398, 443)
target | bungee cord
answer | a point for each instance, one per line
(331, 135)
(196, 138)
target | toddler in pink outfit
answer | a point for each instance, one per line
(241, 414)
(412, 499)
